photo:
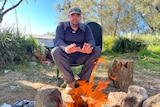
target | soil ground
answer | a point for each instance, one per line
(18, 85)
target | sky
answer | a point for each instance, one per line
(35, 17)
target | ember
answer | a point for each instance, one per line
(85, 95)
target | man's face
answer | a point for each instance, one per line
(74, 19)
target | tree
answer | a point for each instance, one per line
(149, 12)
(118, 17)
(3, 11)
(86, 6)
(111, 15)
(63, 10)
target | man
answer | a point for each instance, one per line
(74, 44)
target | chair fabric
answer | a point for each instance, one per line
(97, 32)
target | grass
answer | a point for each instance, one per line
(145, 63)
(144, 68)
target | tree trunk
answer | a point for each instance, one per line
(122, 70)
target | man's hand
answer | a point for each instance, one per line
(86, 48)
(72, 48)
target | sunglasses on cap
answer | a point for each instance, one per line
(75, 10)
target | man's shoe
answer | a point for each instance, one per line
(69, 87)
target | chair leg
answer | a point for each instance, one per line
(57, 76)
(63, 85)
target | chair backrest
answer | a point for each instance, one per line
(97, 32)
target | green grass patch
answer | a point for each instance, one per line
(144, 62)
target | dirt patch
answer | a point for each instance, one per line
(16, 86)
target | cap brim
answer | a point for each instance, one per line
(74, 13)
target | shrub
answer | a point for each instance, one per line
(14, 47)
(108, 42)
(125, 45)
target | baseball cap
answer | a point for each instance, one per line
(74, 9)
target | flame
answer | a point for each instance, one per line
(86, 94)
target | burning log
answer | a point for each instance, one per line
(121, 73)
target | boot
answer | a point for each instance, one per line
(69, 87)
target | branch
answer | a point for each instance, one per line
(11, 8)
(158, 8)
(3, 5)
(151, 27)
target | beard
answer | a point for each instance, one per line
(74, 23)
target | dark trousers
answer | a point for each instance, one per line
(64, 60)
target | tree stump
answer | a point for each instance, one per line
(121, 73)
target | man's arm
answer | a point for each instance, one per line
(59, 39)
(90, 42)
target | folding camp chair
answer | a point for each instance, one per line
(97, 33)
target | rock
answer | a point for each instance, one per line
(153, 101)
(135, 96)
(115, 99)
(49, 98)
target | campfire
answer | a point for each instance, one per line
(85, 95)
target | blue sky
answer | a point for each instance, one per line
(37, 17)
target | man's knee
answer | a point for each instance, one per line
(56, 51)
(97, 51)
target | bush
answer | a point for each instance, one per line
(108, 42)
(125, 45)
(14, 47)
